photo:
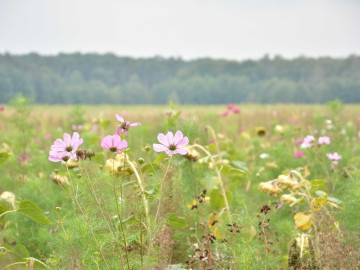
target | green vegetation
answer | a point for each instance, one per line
(242, 198)
(108, 79)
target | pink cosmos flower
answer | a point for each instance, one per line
(171, 144)
(224, 114)
(230, 106)
(60, 156)
(63, 150)
(308, 141)
(47, 136)
(335, 156)
(298, 142)
(298, 154)
(113, 143)
(324, 140)
(69, 144)
(124, 126)
(2, 108)
(236, 111)
(77, 127)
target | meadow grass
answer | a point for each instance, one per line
(146, 210)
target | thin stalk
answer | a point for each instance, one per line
(120, 216)
(98, 203)
(142, 190)
(161, 190)
(88, 223)
(221, 182)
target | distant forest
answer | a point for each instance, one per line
(109, 79)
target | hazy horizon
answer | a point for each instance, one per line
(232, 30)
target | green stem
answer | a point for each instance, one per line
(88, 222)
(142, 190)
(221, 182)
(161, 190)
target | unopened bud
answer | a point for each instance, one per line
(141, 161)
(151, 174)
(79, 175)
(56, 171)
(147, 148)
(57, 208)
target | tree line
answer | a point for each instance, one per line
(109, 79)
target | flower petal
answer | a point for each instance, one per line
(181, 151)
(178, 137)
(183, 142)
(119, 118)
(170, 138)
(136, 124)
(163, 139)
(159, 147)
(67, 139)
(122, 145)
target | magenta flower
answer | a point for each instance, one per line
(308, 141)
(230, 106)
(298, 142)
(324, 140)
(124, 126)
(298, 154)
(113, 143)
(65, 149)
(236, 111)
(171, 144)
(224, 114)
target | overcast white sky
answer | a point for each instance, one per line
(232, 29)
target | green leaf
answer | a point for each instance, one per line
(31, 210)
(318, 184)
(3, 157)
(217, 201)
(176, 221)
(240, 165)
(21, 252)
(4, 207)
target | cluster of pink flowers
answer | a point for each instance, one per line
(309, 140)
(230, 109)
(114, 143)
(63, 150)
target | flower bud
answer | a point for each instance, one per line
(147, 148)
(141, 161)
(79, 176)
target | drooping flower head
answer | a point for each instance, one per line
(61, 156)
(124, 125)
(308, 141)
(113, 143)
(63, 150)
(171, 144)
(324, 140)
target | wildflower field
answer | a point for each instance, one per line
(179, 187)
